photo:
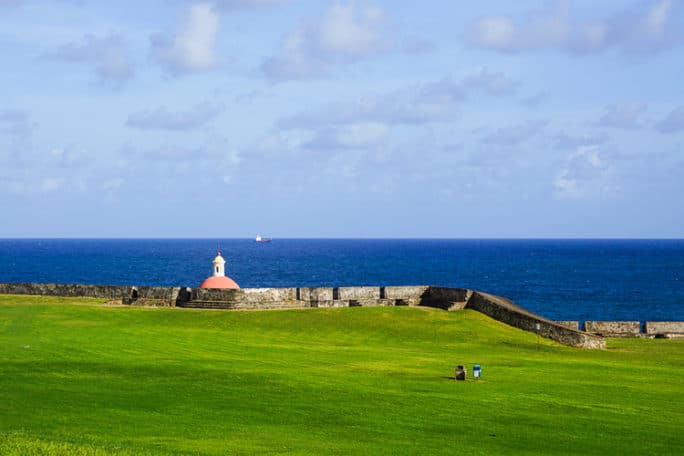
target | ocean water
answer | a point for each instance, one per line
(559, 279)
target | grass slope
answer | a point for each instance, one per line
(94, 380)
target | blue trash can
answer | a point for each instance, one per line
(477, 371)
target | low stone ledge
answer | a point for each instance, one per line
(668, 336)
(244, 294)
(613, 328)
(315, 294)
(664, 327)
(572, 324)
(151, 302)
(145, 292)
(346, 293)
(446, 298)
(448, 294)
(245, 305)
(404, 292)
(329, 303)
(507, 312)
(272, 294)
(67, 290)
(371, 302)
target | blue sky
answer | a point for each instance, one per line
(174, 118)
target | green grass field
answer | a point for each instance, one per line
(79, 378)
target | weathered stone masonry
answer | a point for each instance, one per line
(445, 298)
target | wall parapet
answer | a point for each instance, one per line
(658, 328)
(446, 298)
(504, 310)
(613, 328)
(124, 292)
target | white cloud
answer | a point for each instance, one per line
(16, 137)
(346, 33)
(345, 165)
(645, 27)
(214, 153)
(566, 141)
(625, 115)
(67, 157)
(516, 134)
(276, 144)
(490, 83)
(351, 136)
(4, 3)
(349, 30)
(161, 118)
(535, 100)
(496, 32)
(193, 47)
(425, 103)
(113, 184)
(673, 122)
(107, 55)
(51, 184)
(15, 122)
(417, 105)
(295, 66)
(585, 174)
(231, 5)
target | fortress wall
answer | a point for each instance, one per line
(239, 298)
(613, 328)
(244, 294)
(572, 324)
(158, 292)
(505, 311)
(318, 297)
(370, 302)
(90, 291)
(68, 290)
(446, 298)
(405, 292)
(315, 294)
(356, 293)
(328, 303)
(299, 298)
(243, 305)
(664, 327)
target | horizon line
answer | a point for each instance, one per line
(464, 238)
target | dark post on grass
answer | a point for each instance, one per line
(460, 373)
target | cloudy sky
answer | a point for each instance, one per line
(228, 118)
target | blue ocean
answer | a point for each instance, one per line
(559, 279)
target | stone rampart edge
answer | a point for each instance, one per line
(446, 298)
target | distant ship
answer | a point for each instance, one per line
(261, 239)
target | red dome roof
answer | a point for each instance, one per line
(219, 282)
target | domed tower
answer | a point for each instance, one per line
(218, 278)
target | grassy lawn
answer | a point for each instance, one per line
(89, 379)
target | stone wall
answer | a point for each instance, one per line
(317, 296)
(613, 328)
(405, 295)
(244, 299)
(446, 298)
(126, 293)
(361, 297)
(664, 327)
(503, 310)
(244, 294)
(572, 324)
(310, 297)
